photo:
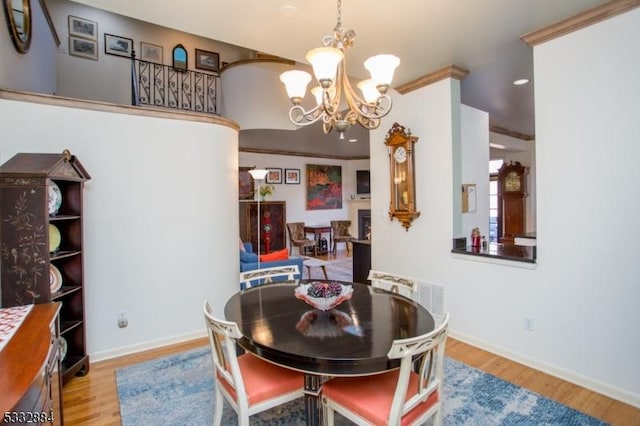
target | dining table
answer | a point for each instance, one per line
(290, 324)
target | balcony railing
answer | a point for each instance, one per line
(163, 86)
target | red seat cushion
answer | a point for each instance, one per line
(263, 380)
(275, 255)
(370, 397)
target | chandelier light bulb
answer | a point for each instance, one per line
(295, 81)
(381, 68)
(317, 93)
(325, 62)
(369, 90)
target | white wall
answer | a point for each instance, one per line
(157, 232)
(295, 195)
(475, 167)
(34, 71)
(583, 293)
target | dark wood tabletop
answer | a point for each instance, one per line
(350, 340)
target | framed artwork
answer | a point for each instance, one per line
(274, 175)
(292, 176)
(151, 52)
(209, 61)
(324, 187)
(83, 48)
(119, 46)
(180, 58)
(84, 28)
(245, 184)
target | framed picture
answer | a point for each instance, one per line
(274, 175)
(292, 176)
(180, 58)
(84, 28)
(83, 48)
(245, 184)
(209, 61)
(119, 46)
(324, 187)
(151, 53)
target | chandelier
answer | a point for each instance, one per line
(330, 69)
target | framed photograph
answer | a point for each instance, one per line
(180, 58)
(151, 53)
(245, 184)
(116, 45)
(292, 176)
(209, 61)
(83, 48)
(84, 28)
(324, 187)
(274, 175)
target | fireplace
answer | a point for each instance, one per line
(364, 224)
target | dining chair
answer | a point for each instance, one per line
(400, 396)
(249, 384)
(396, 283)
(340, 231)
(255, 277)
(298, 238)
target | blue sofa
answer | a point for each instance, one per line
(249, 261)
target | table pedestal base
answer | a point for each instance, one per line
(312, 403)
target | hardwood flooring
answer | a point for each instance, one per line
(93, 399)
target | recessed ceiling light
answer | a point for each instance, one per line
(521, 81)
(288, 11)
(352, 140)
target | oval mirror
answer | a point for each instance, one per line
(18, 14)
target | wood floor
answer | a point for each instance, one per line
(93, 400)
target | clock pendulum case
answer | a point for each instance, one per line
(402, 203)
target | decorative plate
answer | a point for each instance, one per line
(55, 278)
(55, 197)
(63, 348)
(324, 295)
(54, 238)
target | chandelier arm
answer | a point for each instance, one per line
(371, 111)
(300, 117)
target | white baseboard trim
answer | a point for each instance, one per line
(139, 347)
(580, 380)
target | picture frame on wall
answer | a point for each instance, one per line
(245, 184)
(208, 61)
(151, 53)
(83, 48)
(83, 28)
(274, 175)
(292, 176)
(324, 187)
(118, 46)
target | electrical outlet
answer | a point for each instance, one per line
(122, 319)
(529, 324)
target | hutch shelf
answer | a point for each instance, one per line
(41, 244)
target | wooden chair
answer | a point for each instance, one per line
(249, 384)
(255, 277)
(398, 396)
(298, 238)
(340, 231)
(398, 284)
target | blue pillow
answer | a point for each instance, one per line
(247, 257)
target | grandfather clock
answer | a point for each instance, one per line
(511, 201)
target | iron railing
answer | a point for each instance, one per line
(163, 86)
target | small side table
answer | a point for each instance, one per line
(310, 262)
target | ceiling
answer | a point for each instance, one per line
(480, 36)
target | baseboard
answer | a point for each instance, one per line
(569, 376)
(140, 347)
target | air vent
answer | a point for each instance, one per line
(432, 297)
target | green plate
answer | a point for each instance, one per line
(54, 238)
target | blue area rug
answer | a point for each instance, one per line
(179, 390)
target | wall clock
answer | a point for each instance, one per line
(402, 204)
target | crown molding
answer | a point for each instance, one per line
(512, 133)
(451, 71)
(579, 21)
(301, 154)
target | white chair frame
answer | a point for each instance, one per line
(396, 283)
(430, 349)
(222, 339)
(260, 276)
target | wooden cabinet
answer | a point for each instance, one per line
(30, 382)
(273, 216)
(41, 244)
(511, 201)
